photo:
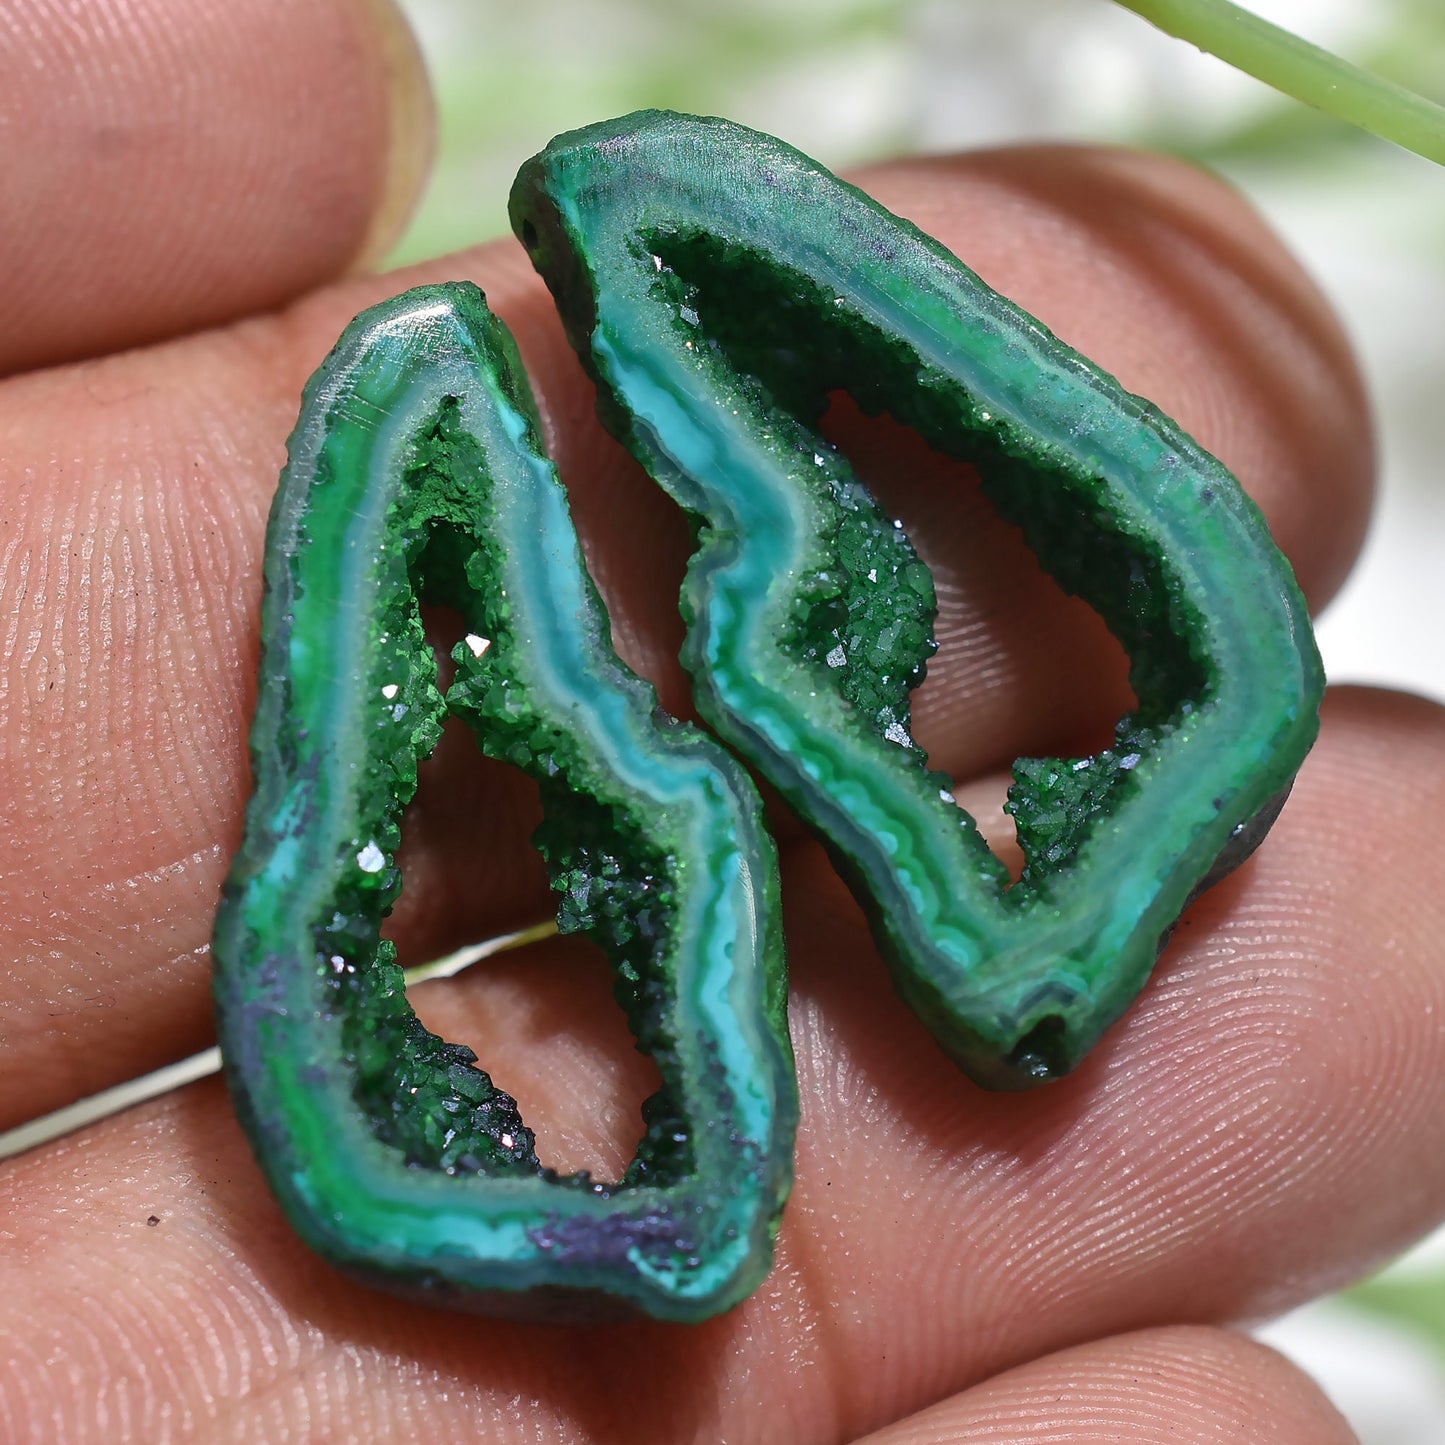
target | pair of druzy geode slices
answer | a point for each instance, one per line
(718, 286)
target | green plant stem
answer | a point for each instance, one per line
(1302, 70)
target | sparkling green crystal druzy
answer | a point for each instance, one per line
(719, 286)
(415, 473)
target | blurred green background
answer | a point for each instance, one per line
(853, 80)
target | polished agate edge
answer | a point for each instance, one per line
(415, 473)
(718, 286)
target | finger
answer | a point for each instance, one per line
(179, 162)
(1187, 1386)
(134, 492)
(1265, 1125)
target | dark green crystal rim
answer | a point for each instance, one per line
(719, 286)
(415, 473)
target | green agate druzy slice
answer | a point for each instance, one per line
(719, 286)
(416, 474)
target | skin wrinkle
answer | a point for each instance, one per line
(234, 1319)
(1123, 1241)
(800, 1269)
(135, 718)
(124, 912)
(230, 1275)
(151, 1372)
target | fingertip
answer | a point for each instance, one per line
(186, 163)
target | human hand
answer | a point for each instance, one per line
(1263, 1126)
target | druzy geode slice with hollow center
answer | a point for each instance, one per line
(719, 286)
(416, 473)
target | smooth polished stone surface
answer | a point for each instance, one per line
(718, 286)
(416, 473)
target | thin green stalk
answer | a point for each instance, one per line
(1302, 70)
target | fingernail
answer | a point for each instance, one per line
(412, 138)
